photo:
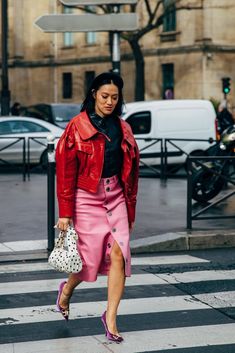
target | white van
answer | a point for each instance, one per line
(173, 119)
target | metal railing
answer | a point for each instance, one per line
(26, 165)
(227, 179)
(159, 170)
(6, 162)
(152, 142)
(178, 152)
(36, 139)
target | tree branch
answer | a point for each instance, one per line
(148, 7)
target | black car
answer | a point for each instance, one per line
(55, 113)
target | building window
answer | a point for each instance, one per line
(91, 36)
(168, 81)
(169, 19)
(67, 85)
(68, 36)
(89, 77)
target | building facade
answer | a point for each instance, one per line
(185, 57)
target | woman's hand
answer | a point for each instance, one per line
(63, 223)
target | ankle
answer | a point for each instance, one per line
(111, 317)
(67, 292)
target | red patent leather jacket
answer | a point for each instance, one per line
(79, 163)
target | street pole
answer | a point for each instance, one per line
(116, 66)
(226, 101)
(50, 192)
(5, 93)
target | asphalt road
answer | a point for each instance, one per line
(161, 208)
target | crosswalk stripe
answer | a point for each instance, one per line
(192, 276)
(95, 309)
(148, 260)
(135, 341)
(52, 284)
(127, 306)
(136, 279)
(218, 299)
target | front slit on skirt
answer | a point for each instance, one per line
(100, 219)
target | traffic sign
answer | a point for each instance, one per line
(88, 23)
(97, 2)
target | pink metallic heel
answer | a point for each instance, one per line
(64, 312)
(110, 336)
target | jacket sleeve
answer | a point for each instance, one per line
(132, 187)
(66, 172)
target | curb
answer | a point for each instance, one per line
(24, 256)
(184, 241)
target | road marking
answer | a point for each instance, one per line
(95, 309)
(197, 276)
(148, 261)
(166, 339)
(52, 284)
(218, 299)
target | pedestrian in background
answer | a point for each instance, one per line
(16, 109)
(224, 117)
(97, 162)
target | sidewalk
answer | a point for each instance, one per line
(33, 250)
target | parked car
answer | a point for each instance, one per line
(172, 119)
(13, 127)
(56, 113)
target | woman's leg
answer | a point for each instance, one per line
(68, 289)
(116, 283)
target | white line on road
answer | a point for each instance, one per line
(151, 340)
(148, 261)
(95, 309)
(48, 285)
(197, 276)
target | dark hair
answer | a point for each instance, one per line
(105, 78)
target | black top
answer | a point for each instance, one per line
(113, 157)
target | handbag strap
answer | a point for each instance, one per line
(61, 239)
(71, 236)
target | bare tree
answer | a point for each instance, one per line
(156, 11)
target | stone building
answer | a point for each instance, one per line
(186, 57)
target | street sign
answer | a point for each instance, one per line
(97, 2)
(88, 23)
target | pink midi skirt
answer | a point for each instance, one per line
(101, 219)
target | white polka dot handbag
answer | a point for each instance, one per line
(66, 258)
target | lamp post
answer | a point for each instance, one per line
(116, 66)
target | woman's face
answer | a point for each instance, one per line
(106, 99)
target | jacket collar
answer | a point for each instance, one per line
(84, 126)
(127, 133)
(87, 130)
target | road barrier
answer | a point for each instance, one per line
(191, 161)
(15, 140)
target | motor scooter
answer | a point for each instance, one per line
(207, 179)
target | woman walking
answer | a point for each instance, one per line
(97, 163)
